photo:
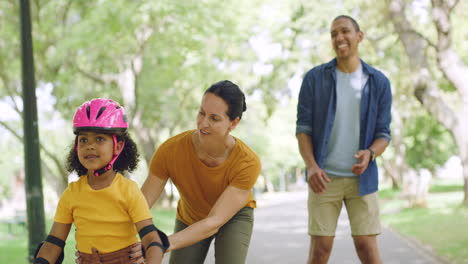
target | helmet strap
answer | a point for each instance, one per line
(76, 144)
(110, 165)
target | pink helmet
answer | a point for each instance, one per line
(102, 115)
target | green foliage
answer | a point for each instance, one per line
(154, 57)
(273, 139)
(157, 57)
(428, 143)
(11, 164)
(9, 50)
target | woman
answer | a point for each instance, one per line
(214, 173)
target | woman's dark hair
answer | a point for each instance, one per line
(127, 160)
(232, 95)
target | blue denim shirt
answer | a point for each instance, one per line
(317, 107)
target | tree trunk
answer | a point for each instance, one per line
(267, 185)
(418, 197)
(465, 180)
(453, 116)
(398, 166)
(465, 200)
(390, 169)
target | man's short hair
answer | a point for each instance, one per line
(355, 24)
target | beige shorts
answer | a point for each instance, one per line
(325, 208)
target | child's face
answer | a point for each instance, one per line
(95, 150)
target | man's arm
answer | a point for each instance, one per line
(378, 146)
(382, 135)
(364, 155)
(316, 177)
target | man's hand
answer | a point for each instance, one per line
(317, 179)
(363, 157)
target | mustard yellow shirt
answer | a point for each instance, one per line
(104, 219)
(200, 186)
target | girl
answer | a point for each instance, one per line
(214, 173)
(106, 208)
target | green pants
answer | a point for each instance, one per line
(231, 242)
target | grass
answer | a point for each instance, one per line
(445, 188)
(164, 219)
(13, 246)
(441, 226)
(388, 193)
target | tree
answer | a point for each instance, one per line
(423, 137)
(33, 179)
(155, 58)
(10, 89)
(443, 95)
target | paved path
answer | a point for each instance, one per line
(280, 237)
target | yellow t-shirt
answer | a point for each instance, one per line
(104, 219)
(200, 186)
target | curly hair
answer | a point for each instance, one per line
(127, 160)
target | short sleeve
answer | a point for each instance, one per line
(64, 213)
(247, 174)
(158, 164)
(138, 208)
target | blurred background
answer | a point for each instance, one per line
(157, 57)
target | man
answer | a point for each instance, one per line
(343, 120)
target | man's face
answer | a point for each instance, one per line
(345, 38)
